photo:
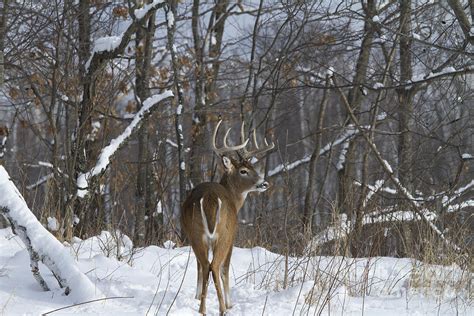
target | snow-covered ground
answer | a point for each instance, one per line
(161, 280)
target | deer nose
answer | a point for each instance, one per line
(263, 186)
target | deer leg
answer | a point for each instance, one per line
(205, 281)
(225, 274)
(199, 281)
(216, 275)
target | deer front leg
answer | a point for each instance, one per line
(199, 281)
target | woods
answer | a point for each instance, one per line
(107, 111)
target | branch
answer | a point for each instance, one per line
(41, 245)
(107, 152)
(109, 47)
(387, 168)
(40, 181)
(348, 134)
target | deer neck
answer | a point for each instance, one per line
(238, 196)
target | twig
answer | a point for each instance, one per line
(86, 302)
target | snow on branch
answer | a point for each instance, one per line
(347, 135)
(141, 12)
(42, 246)
(111, 46)
(448, 200)
(448, 72)
(350, 132)
(344, 227)
(40, 181)
(107, 152)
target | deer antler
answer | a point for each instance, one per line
(257, 151)
(226, 148)
(243, 152)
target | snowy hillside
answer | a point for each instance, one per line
(160, 280)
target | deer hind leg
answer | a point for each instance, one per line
(225, 277)
(199, 281)
(216, 275)
(205, 282)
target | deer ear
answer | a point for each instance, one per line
(228, 166)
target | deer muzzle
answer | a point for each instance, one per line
(263, 186)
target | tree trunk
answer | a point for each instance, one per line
(4, 130)
(205, 91)
(405, 97)
(144, 47)
(405, 108)
(346, 174)
(309, 207)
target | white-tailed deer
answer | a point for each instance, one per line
(209, 215)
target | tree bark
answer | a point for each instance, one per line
(405, 98)
(346, 174)
(205, 92)
(309, 207)
(144, 48)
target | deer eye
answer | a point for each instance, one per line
(243, 171)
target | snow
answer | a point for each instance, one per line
(172, 143)
(343, 227)
(106, 43)
(182, 166)
(75, 220)
(151, 278)
(140, 13)
(447, 70)
(54, 254)
(466, 156)
(169, 244)
(388, 166)
(448, 200)
(372, 190)
(40, 181)
(381, 116)
(45, 164)
(159, 209)
(330, 71)
(350, 132)
(53, 224)
(376, 19)
(107, 152)
(378, 85)
(170, 19)
(342, 156)
(457, 207)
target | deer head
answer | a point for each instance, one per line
(240, 174)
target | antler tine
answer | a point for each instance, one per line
(225, 137)
(257, 149)
(226, 148)
(242, 131)
(255, 139)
